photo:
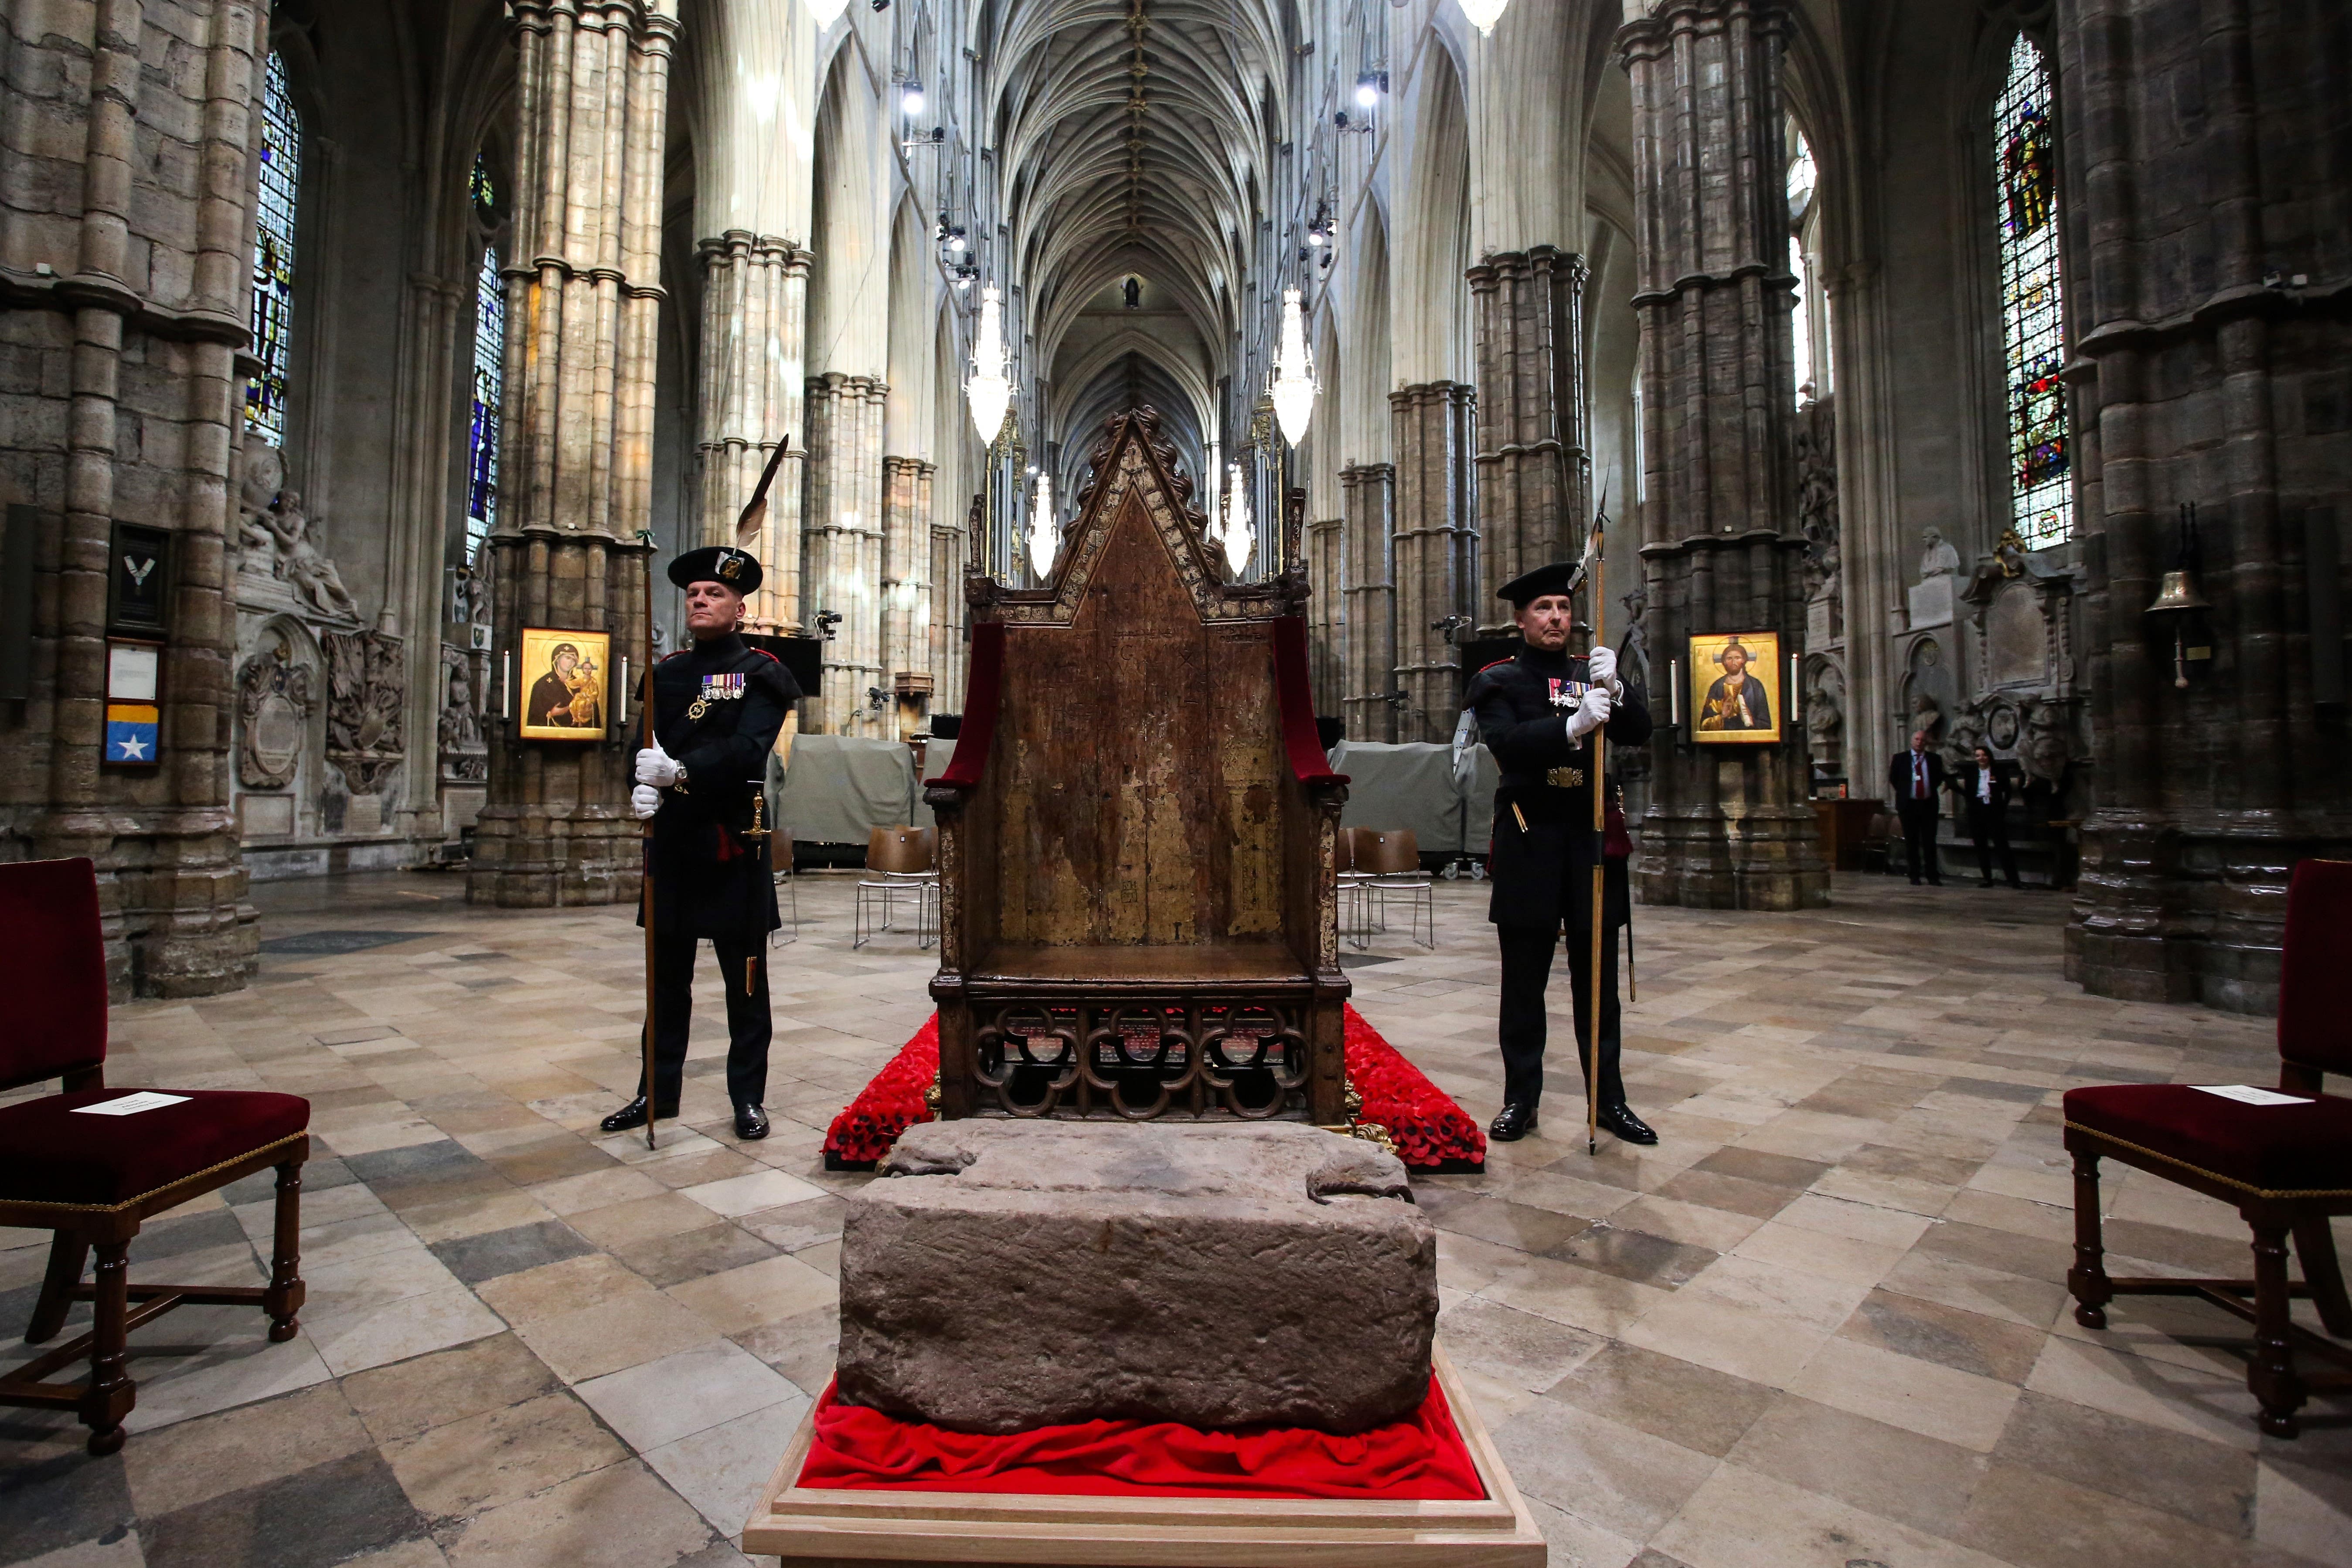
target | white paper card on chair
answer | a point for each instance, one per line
(131, 1104)
(2246, 1094)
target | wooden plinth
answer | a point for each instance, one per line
(823, 1528)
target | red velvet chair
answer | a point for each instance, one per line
(2286, 1168)
(93, 1180)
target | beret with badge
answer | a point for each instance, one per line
(719, 563)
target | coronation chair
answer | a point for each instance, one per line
(2285, 1167)
(94, 1178)
(1139, 830)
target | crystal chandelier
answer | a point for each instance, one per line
(1294, 372)
(990, 390)
(1237, 537)
(1484, 14)
(1041, 528)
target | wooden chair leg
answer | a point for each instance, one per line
(2315, 1245)
(283, 1299)
(68, 1253)
(2270, 1375)
(111, 1392)
(2087, 1280)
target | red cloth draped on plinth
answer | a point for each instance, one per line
(1421, 1458)
(1431, 1132)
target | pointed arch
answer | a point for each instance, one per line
(1431, 324)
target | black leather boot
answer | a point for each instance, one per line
(750, 1123)
(1515, 1123)
(1620, 1121)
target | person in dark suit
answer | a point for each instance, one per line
(1537, 714)
(1914, 780)
(719, 705)
(1983, 788)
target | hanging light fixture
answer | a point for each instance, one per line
(826, 12)
(989, 389)
(911, 98)
(1238, 539)
(1041, 528)
(1484, 14)
(1293, 370)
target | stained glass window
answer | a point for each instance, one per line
(273, 254)
(2025, 173)
(489, 349)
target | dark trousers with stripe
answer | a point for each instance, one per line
(743, 965)
(1526, 969)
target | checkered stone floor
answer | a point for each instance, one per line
(1821, 1323)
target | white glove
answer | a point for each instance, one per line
(656, 767)
(644, 800)
(1589, 715)
(1600, 664)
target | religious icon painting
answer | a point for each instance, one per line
(1734, 693)
(134, 715)
(564, 677)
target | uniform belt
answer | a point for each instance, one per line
(1564, 778)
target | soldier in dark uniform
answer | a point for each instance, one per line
(1537, 714)
(719, 705)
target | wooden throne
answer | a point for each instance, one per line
(1137, 832)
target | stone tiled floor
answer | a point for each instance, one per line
(1823, 1323)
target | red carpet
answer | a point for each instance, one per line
(1419, 1458)
(1431, 1132)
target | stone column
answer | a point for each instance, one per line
(2214, 329)
(906, 565)
(750, 396)
(583, 302)
(1437, 551)
(1368, 502)
(1534, 470)
(133, 265)
(1326, 551)
(950, 543)
(1730, 827)
(842, 571)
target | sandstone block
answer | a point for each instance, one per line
(1005, 1274)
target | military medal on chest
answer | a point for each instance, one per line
(715, 689)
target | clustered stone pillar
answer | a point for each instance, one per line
(949, 545)
(1367, 508)
(754, 320)
(131, 328)
(843, 531)
(2213, 305)
(1326, 551)
(583, 303)
(1730, 827)
(1437, 551)
(1534, 470)
(906, 570)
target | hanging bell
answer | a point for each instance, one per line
(2177, 595)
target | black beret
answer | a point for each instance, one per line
(1559, 577)
(719, 563)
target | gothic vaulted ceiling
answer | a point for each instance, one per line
(1130, 139)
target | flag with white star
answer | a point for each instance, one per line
(131, 730)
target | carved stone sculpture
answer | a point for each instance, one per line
(1817, 498)
(303, 565)
(365, 690)
(1939, 559)
(464, 756)
(274, 697)
(1015, 1274)
(264, 477)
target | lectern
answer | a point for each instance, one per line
(1138, 832)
